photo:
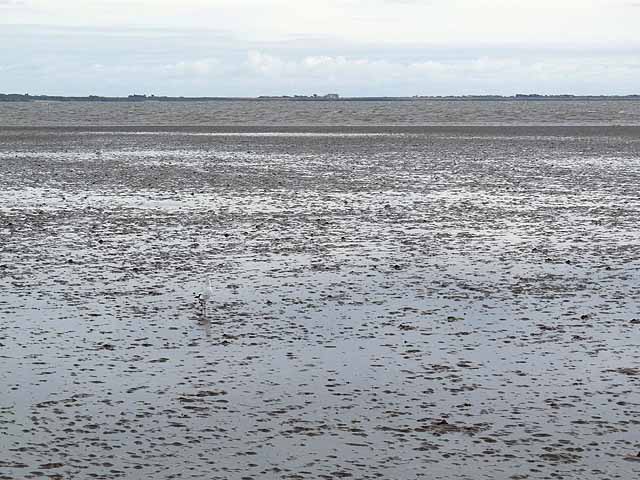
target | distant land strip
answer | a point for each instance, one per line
(14, 97)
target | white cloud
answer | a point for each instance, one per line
(482, 75)
(195, 68)
(258, 72)
(265, 64)
(189, 69)
(13, 3)
(550, 23)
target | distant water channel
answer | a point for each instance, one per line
(274, 113)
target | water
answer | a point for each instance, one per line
(389, 301)
(278, 113)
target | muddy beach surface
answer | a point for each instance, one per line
(456, 302)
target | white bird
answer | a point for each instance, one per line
(203, 298)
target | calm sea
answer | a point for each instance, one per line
(275, 113)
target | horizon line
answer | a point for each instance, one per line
(22, 97)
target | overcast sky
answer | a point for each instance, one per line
(351, 47)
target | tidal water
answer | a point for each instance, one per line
(285, 113)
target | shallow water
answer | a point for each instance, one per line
(287, 113)
(418, 303)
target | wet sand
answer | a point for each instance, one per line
(457, 302)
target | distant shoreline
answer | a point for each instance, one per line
(299, 98)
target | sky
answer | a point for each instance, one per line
(350, 47)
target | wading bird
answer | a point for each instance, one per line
(203, 299)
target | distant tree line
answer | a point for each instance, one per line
(16, 97)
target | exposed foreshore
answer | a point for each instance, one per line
(440, 302)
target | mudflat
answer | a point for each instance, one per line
(455, 302)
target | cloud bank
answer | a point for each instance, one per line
(352, 47)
